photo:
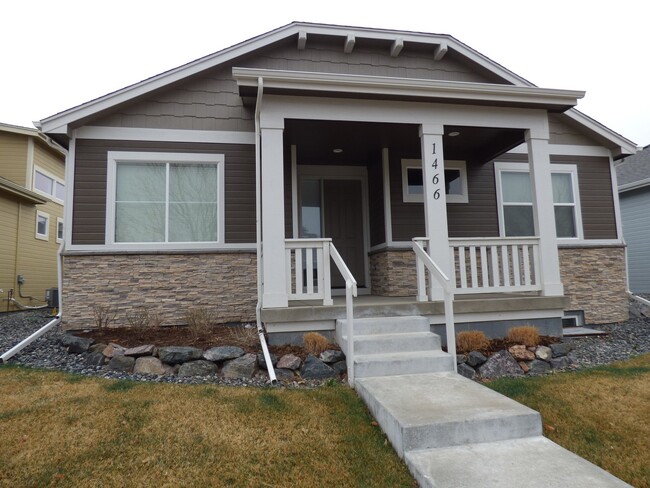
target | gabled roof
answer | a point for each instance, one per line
(634, 171)
(28, 131)
(440, 43)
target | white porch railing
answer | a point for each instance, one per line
(495, 265)
(308, 277)
(423, 260)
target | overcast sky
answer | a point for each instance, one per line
(58, 54)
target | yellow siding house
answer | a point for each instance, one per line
(32, 191)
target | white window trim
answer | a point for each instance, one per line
(46, 236)
(115, 157)
(54, 178)
(59, 220)
(408, 197)
(572, 169)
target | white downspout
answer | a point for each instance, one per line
(56, 321)
(258, 222)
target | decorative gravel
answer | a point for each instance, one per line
(624, 340)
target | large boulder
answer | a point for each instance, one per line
(500, 364)
(95, 359)
(113, 350)
(475, 358)
(315, 369)
(289, 361)
(331, 356)
(561, 362)
(136, 352)
(242, 367)
(76, 345)
(223, 353)
(561, 349)
(200, 367)
(537, 366)
(261, 361)
(466, 371)
(179, 354)
(149, 365)
(544, 353)
(121, 363)
(520, 353)
(284, 375)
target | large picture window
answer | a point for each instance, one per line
(516, 202)
(165, 198)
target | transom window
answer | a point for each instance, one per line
(455, 181)
(516, 202)
(49, 185)
(165, 198)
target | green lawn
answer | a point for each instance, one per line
(66, 430)
(601, 414)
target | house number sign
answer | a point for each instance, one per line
(436, 177)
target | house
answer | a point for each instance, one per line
(32, 191)
(272, 175)
(633, 174)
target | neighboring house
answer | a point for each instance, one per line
(634, 193)
(367, 137)
(32, 191)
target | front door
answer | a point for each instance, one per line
(333, 208)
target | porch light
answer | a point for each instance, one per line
(454, 134)
(338, 150)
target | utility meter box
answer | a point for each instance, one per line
(52, 297)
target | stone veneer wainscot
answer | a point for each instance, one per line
(594, 279)
(167, 284)
(393, 273)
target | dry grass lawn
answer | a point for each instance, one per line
(66, 430)
(601, 414)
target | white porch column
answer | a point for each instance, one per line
(274, 278)
(544, 216)
(435, 201)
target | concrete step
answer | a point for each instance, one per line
(424, 411)
(387, 343)
(402, 363)
(385, 325)
(534, 462)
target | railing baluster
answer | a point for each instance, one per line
(473, 270)
(484, 268)
(505, 261)
(463, 267)
(526, 263)
(287, 266)
(515, 265)
(536, 263)
(319, 270)
(309, 265)
(299, 287)
(494, 253)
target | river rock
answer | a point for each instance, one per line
(76, 345)
(223, 353)
(331, 356)
(475, 358)
(121, 363)
(149, 365)
(179, 354)
(315, 369)
(544, 353)
(136, 352)
(500, 364)
(561, 349)
(521, 353)
(242, 367)
(200, 367)
(289, 361)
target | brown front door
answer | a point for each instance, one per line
(343, 222)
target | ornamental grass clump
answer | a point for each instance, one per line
(199, 320)
(527, 335)
(471, 340)
(315, 343)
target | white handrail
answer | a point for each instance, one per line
(350, 292)
(424, 260)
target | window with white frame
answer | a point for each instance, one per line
(59, 229)
(49, 185)
(455, 181)
(165, 198)
(516, 203)
(42, 225)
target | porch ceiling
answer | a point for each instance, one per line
(360, 142)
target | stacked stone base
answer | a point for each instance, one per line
(166, 285)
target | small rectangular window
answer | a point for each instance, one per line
(42, 225)
(59, 230)
(455, 181)
(49, 185)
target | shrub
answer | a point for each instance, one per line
(103, 314)
(471, 340)
(155, 319)
(138, 317)
(315, 343)
(244, 335)
(199, 320)
(525, 334)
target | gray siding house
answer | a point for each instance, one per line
(270, 179)
(634, 193)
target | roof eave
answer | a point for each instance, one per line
(21, 193)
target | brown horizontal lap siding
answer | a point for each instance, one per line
(478, 218)
(89, 206)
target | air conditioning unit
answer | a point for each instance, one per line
(52, 297)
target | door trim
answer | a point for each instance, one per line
(333, 172)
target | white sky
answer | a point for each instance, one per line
(58, 54)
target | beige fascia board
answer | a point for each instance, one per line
(20, 192)
(380, 85)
